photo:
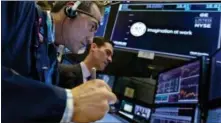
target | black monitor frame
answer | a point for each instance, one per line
(214, 103)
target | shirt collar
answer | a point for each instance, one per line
(86, 73)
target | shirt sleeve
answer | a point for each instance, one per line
(69, 109)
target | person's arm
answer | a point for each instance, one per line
(25, 99)
(70, 75)
(69, 110)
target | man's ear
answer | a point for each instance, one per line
(71, 3)
(93, 46)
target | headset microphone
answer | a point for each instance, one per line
(71, 11)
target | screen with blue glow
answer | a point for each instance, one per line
(101, 30)
(108, 79)
(172, 115)
(215, 77)
(178, 29)
(214, 116)
(142, 111)
(179, 85)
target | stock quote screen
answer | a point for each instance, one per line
(179, 85)
(178, 29)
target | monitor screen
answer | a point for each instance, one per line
(108, 79)
(215, 77)
(179, 85)
(126, 109)
(175, 29)
(214, 116)
(103, 24)
(172, 115)
(126, 106)
(142, 111)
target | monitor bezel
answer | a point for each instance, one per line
(214, 103)
(202, 61)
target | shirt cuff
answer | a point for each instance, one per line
(69, 109)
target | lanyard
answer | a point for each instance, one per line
(50, 28)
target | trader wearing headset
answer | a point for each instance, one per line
(29, 63)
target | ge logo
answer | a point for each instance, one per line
(204, 14)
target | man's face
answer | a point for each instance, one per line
(79, 32)
(102, 56)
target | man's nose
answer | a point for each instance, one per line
(109, 59)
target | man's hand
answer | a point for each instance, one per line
(91, 101)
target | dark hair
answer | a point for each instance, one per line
(84, 6)
(99, 41)
(46, 5)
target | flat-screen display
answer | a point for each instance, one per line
(172, 115)
(103, 24)
(177, 29)
(179, 85)
(107, 78)
(126, 106)
(215, 77)
(214, 116)
(142, 111)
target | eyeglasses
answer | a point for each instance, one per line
(95, 24)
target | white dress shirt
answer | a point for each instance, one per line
(85, 72)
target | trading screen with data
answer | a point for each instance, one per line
(215, 80)
(169, 28)
(179, 85)
(173, 115)
(103, 24)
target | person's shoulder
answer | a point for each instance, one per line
(68, 67)
(22, 5)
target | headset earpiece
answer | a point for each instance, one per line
(70, 11)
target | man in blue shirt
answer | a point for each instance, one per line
(29, 59)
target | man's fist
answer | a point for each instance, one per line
(91, 101)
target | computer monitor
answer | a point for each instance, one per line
(214, 116)
(107, 78)
(142, 112)
(215, 77)
(126, 109)
(101, 30)
(174, 115)
(126, 106)
(179, 85)
(170, 29)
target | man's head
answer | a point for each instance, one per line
(78, 32)
(99, 53)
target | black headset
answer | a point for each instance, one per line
(71, 11)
